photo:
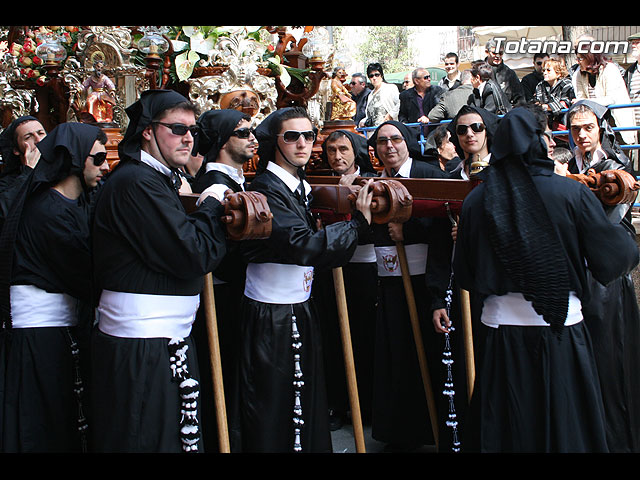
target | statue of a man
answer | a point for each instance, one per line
(100, 94)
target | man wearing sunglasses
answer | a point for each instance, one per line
(150, 259)
(531, 80)
(400, 417)
(282, 391)
(504, 76)
(416, 102)
(47, 252)
(227, 142)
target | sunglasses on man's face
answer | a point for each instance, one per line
(243, 133)
(395, 139)
(98, 158)
(181, 129)
(292, 136)
(476, 127)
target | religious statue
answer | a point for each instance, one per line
(343, 107)
(100, 92)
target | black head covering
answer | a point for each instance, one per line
(407, 133)
(64, 151)
(607, 135)
(520, 230)
(267, 140)
(8, 144)
(489, 119)
(216, 127)
(141, 114)
(360, 149)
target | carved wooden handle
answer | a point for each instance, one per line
(247, 216)
(612, 187)
(391, 201)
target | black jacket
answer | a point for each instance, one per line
(510, 84)
(492, 99)
(409, 111)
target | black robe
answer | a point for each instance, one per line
(542, 421)
(145, 242)
(613, 320)
(400, 414)
(266, 396)
(38, 366)
(228, 290)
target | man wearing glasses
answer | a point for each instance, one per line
(399, 413)
(359, 93)
(532, 79)
(417, 101)
(503, 75)
(226, 142)
(282, 389)
(150, 258)
(46, 250)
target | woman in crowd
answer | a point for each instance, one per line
(384, 100)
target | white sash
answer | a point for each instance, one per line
(364, 254)
(140, 315)
(34, 307)
(514, 309)
(278, 283)
(389, 264)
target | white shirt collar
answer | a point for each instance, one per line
(598, 155)
(290, 180)
(236, 175)
(404, 170)
(155, 164)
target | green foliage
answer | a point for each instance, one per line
(387, 45)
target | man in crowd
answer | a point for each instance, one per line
(503, 75)
(46, 280)
(359, 93)
(19, 156)
(452, 80)
(400, 415)
(612, 313)
(487, 94)
(547, 398)
(282, 391)
(347, 153)
(452, 100)
(417, 101)
(226, 142)
(150, 259)
(532, 79)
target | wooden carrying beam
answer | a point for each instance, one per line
(430, 196)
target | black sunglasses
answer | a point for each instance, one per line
(243, 133)
(371, 75)
(181, 129)
(292, 136)
(98, 158)
(477, 127)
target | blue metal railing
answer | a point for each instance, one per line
(422, 139)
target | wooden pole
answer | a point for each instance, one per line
(208, 301)
(349, 364)
(468, 341)
(417, 335)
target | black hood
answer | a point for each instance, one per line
(141, 114)
(360, 149)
